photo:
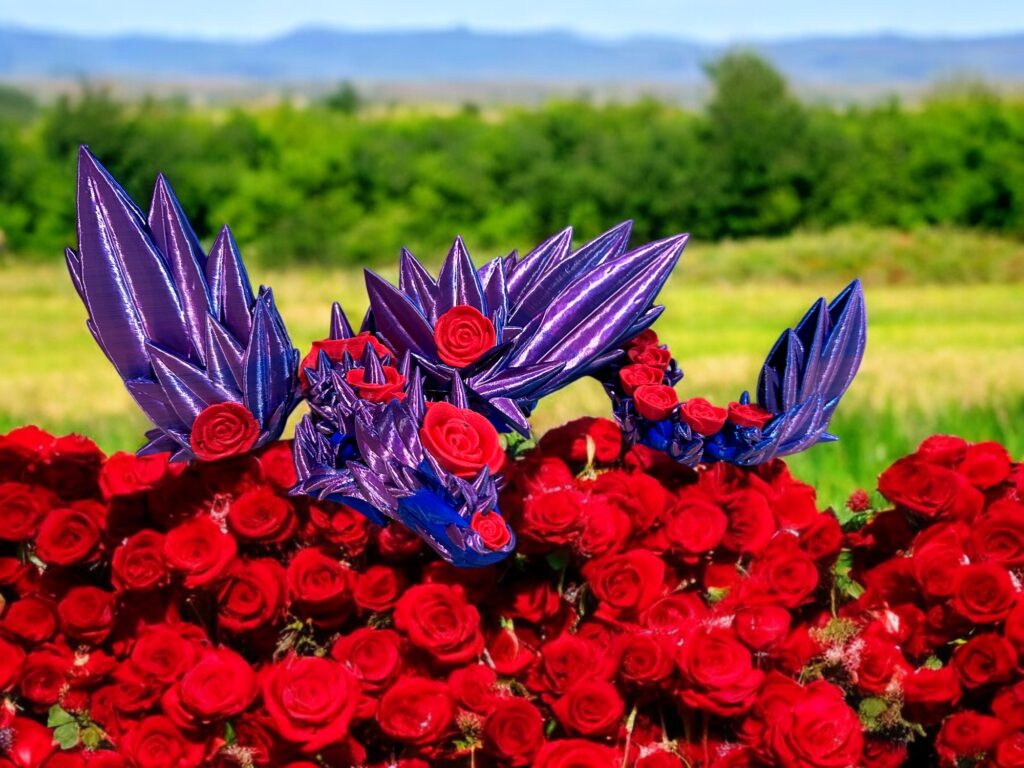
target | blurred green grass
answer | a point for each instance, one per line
(940, 358)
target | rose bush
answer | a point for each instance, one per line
(656, 617)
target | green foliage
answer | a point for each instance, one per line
(334, 183)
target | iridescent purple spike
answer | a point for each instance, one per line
(182, 330)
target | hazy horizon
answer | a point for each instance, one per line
(710, 21)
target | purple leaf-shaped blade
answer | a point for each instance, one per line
(416, 282)
(398, 319)
(129, 291)
(268, 367)
(230, 290)
(173, 235)
(529, 269)
(457, 282)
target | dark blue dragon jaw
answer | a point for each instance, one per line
(801, 382)
(183, 330)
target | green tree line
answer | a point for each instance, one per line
(337, 182)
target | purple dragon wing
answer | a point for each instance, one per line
(183, 330)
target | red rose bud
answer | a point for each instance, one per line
(223, 429)
(463, 335)
(703, 417)
(656, 357)
(416, 710)
(392, 388)
(462, 441)
(336, 349)
(491, 528)
(646, 338)
(749, 415)
(655, 401)
(637, 375)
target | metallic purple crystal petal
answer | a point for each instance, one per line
(528, 270)
(173, 236)
(457, 282)
(340, 326)
(230, 290)
(398, 319)
(415, 281)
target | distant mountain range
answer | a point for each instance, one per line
(316, 54)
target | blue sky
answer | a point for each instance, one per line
(716, 20)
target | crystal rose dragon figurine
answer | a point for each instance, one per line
(405, 414)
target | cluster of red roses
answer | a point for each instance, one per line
(648, 380)
(167, 616)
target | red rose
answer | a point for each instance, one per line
(985, 464)
(251, 595)
(762, 627)
(310, 701)
(30, 743)
(67, 537)
(378, 587)
(748, 415)
(492, 529)
(223, 429)
(930, 694)
(819, 730)
(650, 355)
(22, 509)
(125, 473)
(72, 467)
(11, 660)
(942, 449)
(590, 708)
(937, 557)
(983, 593)
(644, 659)
(637, 375)
(998, 535)
(696, 524)
(138, 564)
(751, 522)
(157, 743)
(261, 515)
(391, 388)
(278, 466)
(718, 672)
(967, 735)
(1010, 751)
(219, 686)
(474, 688)
(567, 659)
(416, 710)
(463, 335)
(627, 583)
(200, 551)
(929, 489)
(162, 653)
(32, 619)
(44, 677)
(655, 402)
(343, 526)
(87, 614)
(374, 655)
(552, 519)
(703, 417)
(438, 619)
(576, 753)
(984, 659)
(585, 439)
(514, 731)
(462, 441)
(822, 539)
(606, 527)
(646, 338)
(785, 572)
(320, 587)
(881, 662)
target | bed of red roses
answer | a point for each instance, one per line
(163, 616)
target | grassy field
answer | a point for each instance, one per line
(941, 358)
